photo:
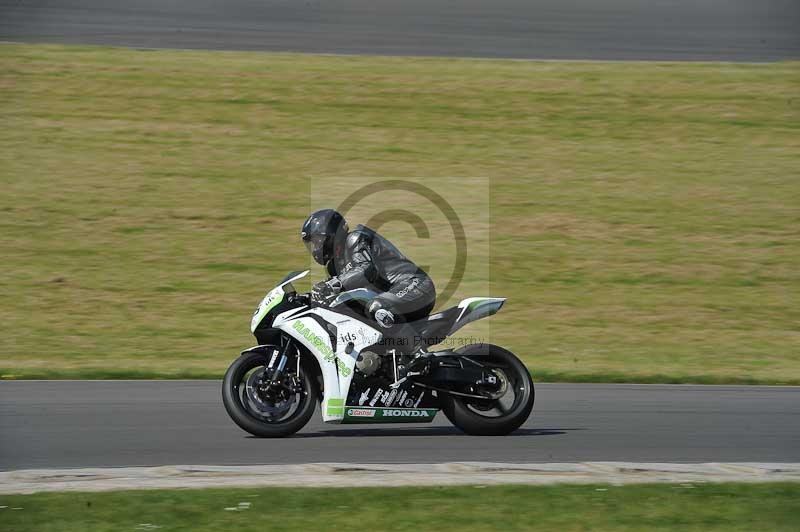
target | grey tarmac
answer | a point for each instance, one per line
(707, 30)
(72, 424)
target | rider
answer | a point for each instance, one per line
(364, 259)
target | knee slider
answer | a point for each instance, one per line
(381, 314)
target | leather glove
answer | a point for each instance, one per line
(326, 290)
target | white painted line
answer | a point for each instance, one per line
(354, 475)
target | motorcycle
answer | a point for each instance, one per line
(330, 352)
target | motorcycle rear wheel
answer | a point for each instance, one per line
(242, 411)
(495, 417)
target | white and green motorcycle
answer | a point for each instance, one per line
(332, 353)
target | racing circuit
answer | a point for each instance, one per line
(142, 423)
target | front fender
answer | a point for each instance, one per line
(257, 349)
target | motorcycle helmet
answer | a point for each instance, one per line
(323, 232)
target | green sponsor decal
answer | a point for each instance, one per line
(320, 345)
(335, 407)
(343, 369)
(360, 414)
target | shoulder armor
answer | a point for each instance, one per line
(358, 237)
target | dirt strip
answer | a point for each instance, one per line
(354, 475)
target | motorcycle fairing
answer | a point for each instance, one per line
(273, 298)
(475, 308)
(292, 276)
(374, 399)
(326, 335)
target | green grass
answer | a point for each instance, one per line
(644, 216)
(701, 507)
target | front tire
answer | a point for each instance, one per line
(474, 416)
(243, 414)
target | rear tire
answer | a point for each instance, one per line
(463, 412)
(240, 414)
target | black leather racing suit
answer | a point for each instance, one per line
(368, 260)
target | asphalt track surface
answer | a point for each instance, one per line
(731, 30)
(68, 424)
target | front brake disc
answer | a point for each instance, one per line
(264, 402)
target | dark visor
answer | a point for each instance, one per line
(315, 245)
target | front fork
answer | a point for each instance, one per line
(277, 364)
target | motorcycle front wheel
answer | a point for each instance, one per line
(505, 412)
(262, 411)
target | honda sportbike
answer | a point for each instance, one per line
(330, 352)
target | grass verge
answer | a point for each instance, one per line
(644, 215)
(705, 507)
